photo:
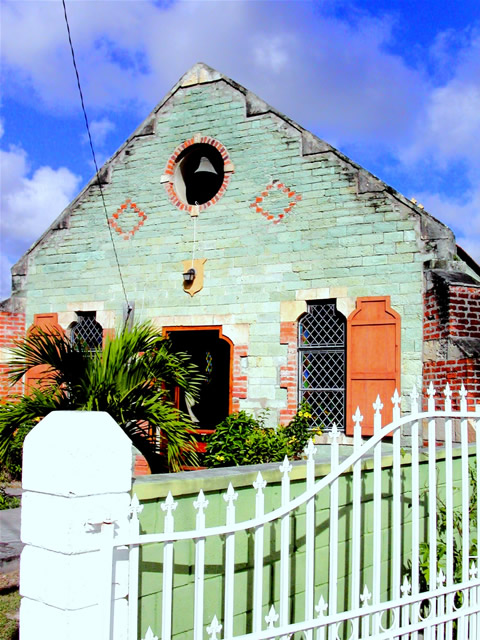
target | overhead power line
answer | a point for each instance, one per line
(129, 309)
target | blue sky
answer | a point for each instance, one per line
(394, 85)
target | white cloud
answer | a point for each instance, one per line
(5, 279)
(99, 130)
(337, 77)
(449, 125)
(294, 57)
(29, 204)
(272, 54)
(462, 216)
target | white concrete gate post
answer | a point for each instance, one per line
(77, 474)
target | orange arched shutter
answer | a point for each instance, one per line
(45, 322)
(108, 334)
(373, 360)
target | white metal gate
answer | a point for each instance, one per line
(412, 557)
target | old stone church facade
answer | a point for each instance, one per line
(289, 272)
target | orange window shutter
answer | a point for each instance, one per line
(46, 322)
(373, 360)
(107, 334)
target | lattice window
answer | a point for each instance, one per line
(87, 330)
(322, 363)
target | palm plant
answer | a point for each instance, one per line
(131, 378)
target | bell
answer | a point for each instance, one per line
(206, 166)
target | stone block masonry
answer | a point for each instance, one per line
(295, 215)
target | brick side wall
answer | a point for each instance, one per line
(466, 370)
(433, 327)
(464, 321)
(453, 314)
(12, 327)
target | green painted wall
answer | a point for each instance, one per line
(370, 243)
(184, 487)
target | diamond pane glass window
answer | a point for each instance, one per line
(322, 363)
(87, 330)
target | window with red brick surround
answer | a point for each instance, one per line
(197, 174)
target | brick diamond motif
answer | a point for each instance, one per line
(291, 197)
(114, 221)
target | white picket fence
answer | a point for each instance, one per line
(384, 593)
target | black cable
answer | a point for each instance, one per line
(129, 309)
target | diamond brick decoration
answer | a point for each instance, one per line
(290, 195)
(114, 221)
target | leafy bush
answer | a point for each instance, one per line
(241, 439)
(12, 466)
(457, 536)
(6, 501)
(424, 568)
(132, 378)
(226, 446)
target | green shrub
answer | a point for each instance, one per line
(242, 439)
(457, 536)
(226, 446)
(12, 466)
(6, 501)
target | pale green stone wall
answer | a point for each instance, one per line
(334, 237)
(184, 487)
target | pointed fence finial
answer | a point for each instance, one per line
(357, 428)
(285, 467)
(169, 504)
(334, 433)
(135, 508)
(377, 416)
(414, 400)
(441, 579)
(365, 596)
(201, 503)
(149, 635)
(377, 405)
(309, 450)
(321, 607)
(231, 495)
(272, 617)
(473, 571)
(357, 418)
(396, 400)
(431, 397)
(463, 398)
(213, 628)
(447, 392)
(406, 587)
(259, 484)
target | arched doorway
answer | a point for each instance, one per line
(212, 353)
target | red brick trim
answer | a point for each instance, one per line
(239, 379)
(12, 328)
(140, 467)
(289, 372)
(291, 196)
(114, 221)
(170, 170)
